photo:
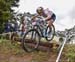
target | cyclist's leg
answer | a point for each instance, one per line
(50, 22)
(52, 19)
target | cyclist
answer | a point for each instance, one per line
(48, 15)
(23, 25)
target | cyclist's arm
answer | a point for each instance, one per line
(48, 17)
(49, 14)
(34, 17)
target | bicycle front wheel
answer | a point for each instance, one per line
(50, 31)
(31, 40)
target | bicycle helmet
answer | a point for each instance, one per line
(39, 10)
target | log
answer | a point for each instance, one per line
(43, 46)
(46, 44)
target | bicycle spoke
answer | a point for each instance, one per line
(32, 41)
(50, 33)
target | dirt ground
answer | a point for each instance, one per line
(14, 53)
(27, 58)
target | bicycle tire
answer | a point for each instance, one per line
(52, 29)
(24, 44)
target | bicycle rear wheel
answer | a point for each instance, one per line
(31, 40)
(50, 31)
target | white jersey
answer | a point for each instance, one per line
(48, 12)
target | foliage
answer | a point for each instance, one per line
(69, 52)
(6, 47)
(6, 10)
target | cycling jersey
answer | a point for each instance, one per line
(48, 13)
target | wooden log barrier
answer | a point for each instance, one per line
(40, 48)
(43, 46)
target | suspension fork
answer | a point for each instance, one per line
(39, 30)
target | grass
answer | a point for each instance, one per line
(69, 52)
(7, 49)
(40, 57)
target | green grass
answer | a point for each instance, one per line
(69, 52)
(40, 57)
(9, 49)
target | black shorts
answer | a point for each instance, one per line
(53, 17)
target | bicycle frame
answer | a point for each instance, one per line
(39, 28)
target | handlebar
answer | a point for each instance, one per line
(38, 21)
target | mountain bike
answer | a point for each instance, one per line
(40, 29)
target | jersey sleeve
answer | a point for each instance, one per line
(48, 12)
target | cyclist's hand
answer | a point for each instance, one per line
(33, 19)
